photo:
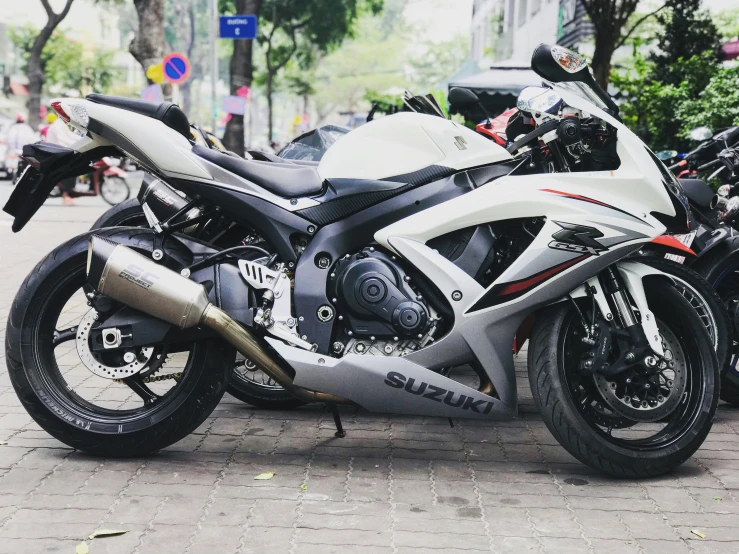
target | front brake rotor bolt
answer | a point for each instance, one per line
(627, 399)
(612, 385)
(660, 398)
(129, 357)
(644, 404)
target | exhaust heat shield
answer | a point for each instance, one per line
(125, 275)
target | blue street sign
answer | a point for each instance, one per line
(238, 26)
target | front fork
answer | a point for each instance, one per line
(638, 338)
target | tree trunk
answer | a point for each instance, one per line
(241, 69)
(149, 45)
(35, 70)
(604, 48)
(268, 91)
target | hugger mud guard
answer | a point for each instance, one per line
(47, 165)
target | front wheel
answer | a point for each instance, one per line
(642, 422)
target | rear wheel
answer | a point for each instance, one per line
(84, 398)
(128, 213)
(641, 422)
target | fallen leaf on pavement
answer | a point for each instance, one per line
(82, 548)
(265, 476)
(107, 533)
(718, 498)
(304, 487)
(698, 533)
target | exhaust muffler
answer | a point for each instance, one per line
(128, 277)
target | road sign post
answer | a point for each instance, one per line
(238, 27)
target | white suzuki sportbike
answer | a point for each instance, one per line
(415, 248)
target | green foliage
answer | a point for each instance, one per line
(727, 23)
(67, 66)
(663, 114)
(437, 61)
(386, 103)
(687, 31)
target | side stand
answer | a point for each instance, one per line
(337, 421)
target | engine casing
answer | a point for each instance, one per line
(373, 296)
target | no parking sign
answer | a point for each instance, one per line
(176, 68)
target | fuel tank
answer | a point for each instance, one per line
(406, 142)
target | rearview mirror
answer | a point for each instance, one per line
(665, 155)
(558, 64)
(538, 99)
(701, 133)
(463, 98)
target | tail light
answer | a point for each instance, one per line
(57, 107)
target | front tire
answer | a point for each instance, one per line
(60, 393)
(559, 389)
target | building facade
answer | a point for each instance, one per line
(509, 30)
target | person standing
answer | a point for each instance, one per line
(59, 133)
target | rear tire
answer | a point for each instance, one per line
(74, 420)
(687, 425)
(128, 213)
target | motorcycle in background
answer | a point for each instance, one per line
(107, 180)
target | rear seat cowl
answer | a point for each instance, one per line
(167, 112)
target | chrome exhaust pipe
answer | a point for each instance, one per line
(128, 277)
(717, 202)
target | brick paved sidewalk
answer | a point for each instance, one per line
(394, 484)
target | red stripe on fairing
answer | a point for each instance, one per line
(513, 288)
(578, 197)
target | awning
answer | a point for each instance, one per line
(497, 88)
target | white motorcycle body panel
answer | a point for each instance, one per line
(406, 142)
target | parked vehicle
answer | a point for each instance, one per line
(702, 162)
(414, 264)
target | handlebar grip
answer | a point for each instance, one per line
(536, 133)
(709, 165)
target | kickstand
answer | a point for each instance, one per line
(340, 434)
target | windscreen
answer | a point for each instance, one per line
(582, 90)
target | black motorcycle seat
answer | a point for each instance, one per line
(284, 179)
(698, 192)
(168, 113)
